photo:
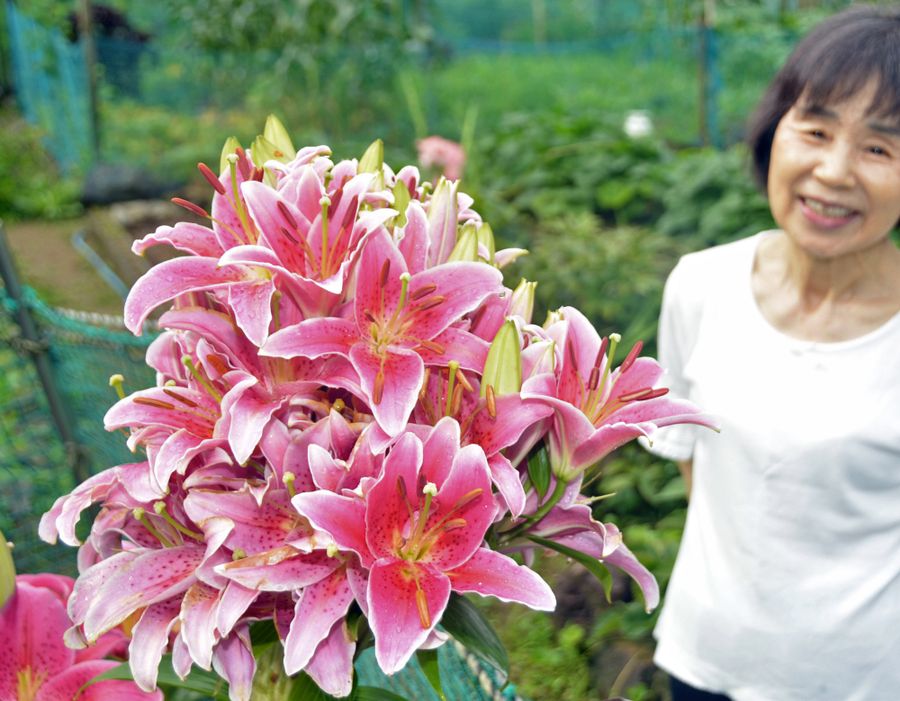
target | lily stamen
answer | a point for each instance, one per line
(461, 378)
(423, 291)
(422, 606)
(204, 382)
(184, 400)
(160, 508)
(432, 346)
(642, 395)
(324, 203)
(156, 403)
(191, 207)
(236, 196)
(452, 368)
(378, 388)
(491, 401)
(211, 178)
(117, 381)
(631, 357)
(140, 515)
(430, 303)
(287, 215)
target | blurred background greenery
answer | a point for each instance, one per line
(121, 99)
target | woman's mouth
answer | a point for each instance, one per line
(826, 214)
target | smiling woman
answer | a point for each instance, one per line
(787, 570)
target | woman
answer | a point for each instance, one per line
(787, 583)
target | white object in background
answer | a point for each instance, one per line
(638, 124)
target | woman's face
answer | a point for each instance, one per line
(834, 176)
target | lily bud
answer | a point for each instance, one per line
(401, 201)
(372, 161)
(466, 248)
(486, 240)
(231, 145)
(7, 571)
(275, 133)
(523, 300)
(553, 317)
(503, 367)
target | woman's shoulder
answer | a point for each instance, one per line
(723, 256)
(718, 268)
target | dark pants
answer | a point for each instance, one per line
(686, 692)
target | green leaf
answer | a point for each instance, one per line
(591, 564)
(305, 689)
(428, 661)
(199, 680)
(539, 470)
(374, 693)
(503, 366)
(466, 623)
(263, 633)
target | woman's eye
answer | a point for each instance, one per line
(817, 133)
(877, 150)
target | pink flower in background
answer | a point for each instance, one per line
(36, 665)
(438, 152)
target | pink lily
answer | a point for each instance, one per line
(572, 524)
(402, 322)
(495, 425)
(598, 409)
(442, 153)
(36, 665)
(420, 533)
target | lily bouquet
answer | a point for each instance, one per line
(355, 423)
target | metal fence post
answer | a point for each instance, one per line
(37, 348)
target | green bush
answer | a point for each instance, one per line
(30, 184)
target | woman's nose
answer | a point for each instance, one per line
(835, 165)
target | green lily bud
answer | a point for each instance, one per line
(401, 201)
(263, 151)
(7, 571)
(486, 239)
(503, 367)
(466, 248)
(523, 300)
(372, 161)
(275, 133)
(552, 317)
(231, 145)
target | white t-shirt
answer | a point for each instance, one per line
(787, 582)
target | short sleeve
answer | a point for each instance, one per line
(679, 323)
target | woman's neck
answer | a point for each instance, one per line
(823, 299)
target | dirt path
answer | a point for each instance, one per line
(48, 262)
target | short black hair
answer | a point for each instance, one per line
(833, 62)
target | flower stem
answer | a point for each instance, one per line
(539, 514)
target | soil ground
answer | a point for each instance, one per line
(48, 262)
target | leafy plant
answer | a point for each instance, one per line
(30, 184)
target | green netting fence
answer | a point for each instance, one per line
(79, 352)
(155, 94)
